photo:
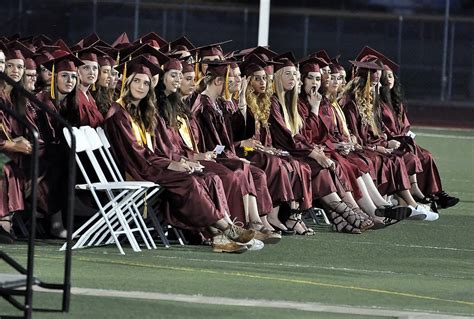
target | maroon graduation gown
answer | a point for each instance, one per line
(170, 143)
(88, 113)
(214, 132)
(322, 182)
(392, 174)
(15, 180)
(276, 170)
(195, 201)
(429, 180)
(12, 183)
(298, 172)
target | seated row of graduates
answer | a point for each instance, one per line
(292, 136)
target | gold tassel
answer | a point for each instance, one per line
(93, 87)
(52, 84)
(226, 83)
(124, 78)
(367, 87)
(196, 69)
(145, 206)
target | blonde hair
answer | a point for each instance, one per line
(365, 100)
(259, 104)
(292, 117)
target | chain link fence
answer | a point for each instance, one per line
(414, 41)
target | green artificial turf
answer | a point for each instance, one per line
(411, 266)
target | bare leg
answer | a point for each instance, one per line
(273, 218)
(378, 200)
(406, 196)
(6, 223)
(246, 200)
(294, 205)
(253, 216)
(415, 190)
(57, 226)
(266, 223)
(365, 202)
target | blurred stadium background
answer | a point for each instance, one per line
(410, 32)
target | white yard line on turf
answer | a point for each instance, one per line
(456, 137)
(278, 304)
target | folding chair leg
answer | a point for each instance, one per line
(323, 213)
(156, 224)
(17, 220)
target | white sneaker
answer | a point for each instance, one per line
(430, 216)
(422, 213)
(254, 245)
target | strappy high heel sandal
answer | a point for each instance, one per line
(297, 221)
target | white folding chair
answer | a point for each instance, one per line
(137, 196)
(109, 222)
(151, 190)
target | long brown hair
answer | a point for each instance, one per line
(145, 112)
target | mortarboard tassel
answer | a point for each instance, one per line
(367, 87)
(196, 69)
(226, 83)
(52, 84)
(124, 78)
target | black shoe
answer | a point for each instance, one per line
(392, 212)
(426, 200)
(5, 237)
(443, 200)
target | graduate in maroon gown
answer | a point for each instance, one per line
(285, 127)
(326, 125)
(175, 138)
(62, 89)
(196, 201)
(248, 119)
(102, 95)
(208, 113)
(84, 111)
(14, 143)
(397, 127)
(361, 111)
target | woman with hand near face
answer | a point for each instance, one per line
(332, 132)
(209, 110)
(176, 138)
(286, 128)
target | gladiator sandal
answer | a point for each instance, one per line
(340, 225)
(350, 216)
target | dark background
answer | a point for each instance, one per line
(408, 31)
